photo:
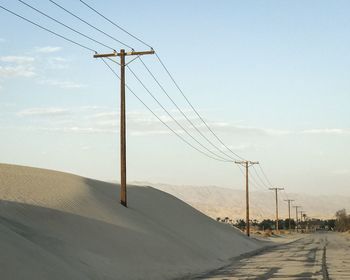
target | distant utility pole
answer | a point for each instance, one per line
(296, 216)
(289, 201)
(301, 217)
(247, 164)
(122, 54)
(276, 194)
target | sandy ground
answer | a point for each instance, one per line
(55, 225)
(315, 256)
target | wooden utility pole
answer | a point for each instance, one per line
(289, 201)
(276, 194)
(122, 54)
(301, 217)
(296, 216)
(247, 164)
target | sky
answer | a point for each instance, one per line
(271, 78)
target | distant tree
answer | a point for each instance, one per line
(286, 223)
(240, 223)
(218, 219)
(255, 222)
(267, 224)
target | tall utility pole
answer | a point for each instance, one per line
(276, 195)
(289, 201)
(296, 216)
(247, 164)
(122, 54)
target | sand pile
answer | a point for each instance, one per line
(55, 225)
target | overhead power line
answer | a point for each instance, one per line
(89, 24)
(163, 65)
(85, 47)
(194, 109)
(48, 30)
(155, 115)
(70, 28)
(153, 76)
(116, 25)
(182, 112)
(258, 176)
(174, 119)
(264, 174)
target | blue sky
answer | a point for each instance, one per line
(270, 77)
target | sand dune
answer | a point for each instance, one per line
(55, 225)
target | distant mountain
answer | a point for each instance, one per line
(224, 202)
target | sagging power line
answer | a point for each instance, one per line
(225, 156)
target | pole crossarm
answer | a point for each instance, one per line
(276, 189)
(101, 55)
(244, 162)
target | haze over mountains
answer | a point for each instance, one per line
(224, 202)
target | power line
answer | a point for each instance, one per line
(252, 180)
(181, 111)
(172, 130)
(256, 183)
(257, 174)
(70, 28)
(264, 174)
(194, 109)
(116, 25)
(176, 84)
(48, 30)
(89, 24)
(172, 117)
(168, 72)
(254, 186)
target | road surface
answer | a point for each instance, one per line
(315, 256)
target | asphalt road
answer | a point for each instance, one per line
(315, 256)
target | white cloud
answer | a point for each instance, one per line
(57, 63)
(48, 49)
(18, 66)
(61, 84)
(17, 71)
(46, 112)
(97, 119)
(17, 59)
(338, 131)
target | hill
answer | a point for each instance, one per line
(55, 225)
